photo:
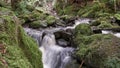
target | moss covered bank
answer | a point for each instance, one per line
(97, 50)
(17, 50)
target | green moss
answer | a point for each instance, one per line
(117, 16)
(33, 16)
(94, 10)
(35, 24)
(113, 62)
(69, 10)
(83, 29)
(3, 4)
(96, 47)
(50, 20)
(38, 24)
(20, 50)
(105, 24)
(30, 49)
(14, 55)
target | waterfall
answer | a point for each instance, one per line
(53, 55)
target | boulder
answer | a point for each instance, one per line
(62, 42)
(62, 34)
(96, 50)
(66, 36)
(38, 24)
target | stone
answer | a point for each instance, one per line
(62, 42)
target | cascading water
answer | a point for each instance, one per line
(117, 34)
(54, 56)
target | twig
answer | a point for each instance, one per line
(81, 64)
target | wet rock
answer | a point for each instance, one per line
(62, 42)
(96, 30)
(63, 34)
(60, 23)
(66, 36)
(69, 21)
(95, 23)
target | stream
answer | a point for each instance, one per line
(53, 54)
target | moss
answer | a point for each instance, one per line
(105, 24)
(94, 10)
(38, 24)
(33, 16)
(50, 20)
(13, 38)
(69, 10)
(96, 47)
(3, 4)
(64, 8)
(113, 62)
(9, 39)
(35, 24)
(117, 16)
(83, 29)
(30, 49)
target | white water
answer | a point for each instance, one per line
(110, 32)
(54, 56)
(77, 22)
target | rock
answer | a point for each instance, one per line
(69, 21)
(100, 48)
(50, 20)
(62, 42)
(38, 24)
(96, 30)
(105, 24)
(95, 23)
(65, 36)
(62, 34)
(60, 23)
(83, 29)
(96, 47)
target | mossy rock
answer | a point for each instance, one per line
(50, 20)
(33, 16)
(65, 17)
(105, 24)
(95, 23)
(83, 29)
(100, 48)
(97, 47)
(37, 24)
